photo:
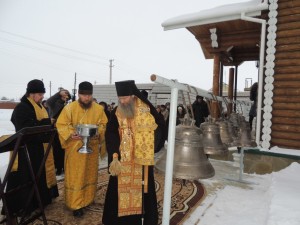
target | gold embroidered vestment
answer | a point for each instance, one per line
(137, 150)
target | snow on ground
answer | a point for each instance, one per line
(276, 149)
(6, 127)
(285, 196)
(270, 199)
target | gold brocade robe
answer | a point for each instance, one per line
(137, 150)
(81, 170)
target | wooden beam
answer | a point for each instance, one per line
(288, 4)
(286, 128)
(215, 89)
(286, 55)
(288, 26)
(287, 84)
(241, 55)
(286, 92)
(288, 11)
(287, 40)
(231, 37)
(287, 48)
(287, 106)
(230, 90)
(288, 62)
(286, 99)
(288, 19)
(285, 135)
(287, 77)
(225, 44)
(287, 69)
(283, 143)
(286, 113)
(286, 120)
(288, 33)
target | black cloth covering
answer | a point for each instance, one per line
(35, 86)
(85, 88)
(24, 116)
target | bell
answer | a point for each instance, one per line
(241, 118)
(232, 131)
(244, 138)
(212, 143)
(226, 137)
(190, 162)
(234, 118)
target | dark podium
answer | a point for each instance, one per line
(16, 143)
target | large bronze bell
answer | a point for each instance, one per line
(232, 130)
(234, 119)
(226, 137)
(212, 143)
(244, 138)
(190, 162)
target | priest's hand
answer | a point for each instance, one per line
(76, 136)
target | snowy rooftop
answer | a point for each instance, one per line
(217, 14)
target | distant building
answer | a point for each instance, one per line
(159, 94)
(7, 104)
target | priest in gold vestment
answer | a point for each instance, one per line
(134, 133)
(81, 170)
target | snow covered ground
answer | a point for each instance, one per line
(6, 127)
(270, 199)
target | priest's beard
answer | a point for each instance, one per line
(127, 110)
(85, 105)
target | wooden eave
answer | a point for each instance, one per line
(238, 40)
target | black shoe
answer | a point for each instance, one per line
(78, 213)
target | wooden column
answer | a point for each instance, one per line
(230, 90)
(216, 86)
(221, 79)
(235, 86)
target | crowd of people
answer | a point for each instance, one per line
(198, 111)
(129, 133)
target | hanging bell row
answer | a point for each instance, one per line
(190, 161)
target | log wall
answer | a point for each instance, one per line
(286, 99)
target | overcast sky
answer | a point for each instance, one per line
(54, 39)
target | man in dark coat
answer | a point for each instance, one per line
(200, 110)
(56, 104)
(253, 97)
(30, 113)
(133, 134)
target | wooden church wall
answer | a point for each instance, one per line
(286, 98)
